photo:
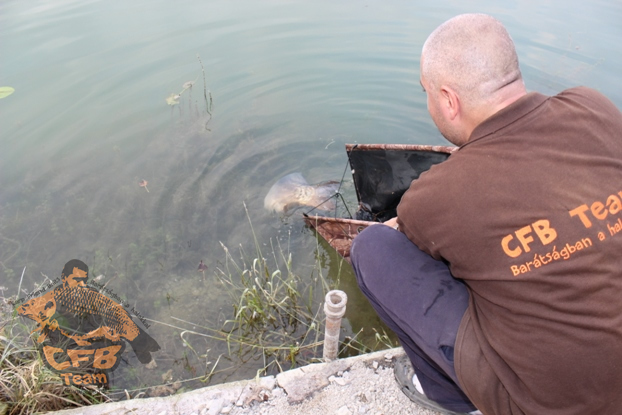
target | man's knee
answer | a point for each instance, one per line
(368, 252)
(365, 245)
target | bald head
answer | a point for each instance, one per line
(474, 55)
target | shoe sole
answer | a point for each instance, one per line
(404, 373)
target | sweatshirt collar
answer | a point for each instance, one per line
(507, 115)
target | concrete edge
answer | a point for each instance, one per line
(299, 384)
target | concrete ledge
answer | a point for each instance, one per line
(357, 385)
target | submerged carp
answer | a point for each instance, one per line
(293, 191)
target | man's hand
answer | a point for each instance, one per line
(391, 222)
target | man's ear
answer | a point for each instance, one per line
(450, 102)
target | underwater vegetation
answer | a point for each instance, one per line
(173, 98)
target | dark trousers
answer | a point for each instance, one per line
(419, 299)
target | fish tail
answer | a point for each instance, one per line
(143, 345)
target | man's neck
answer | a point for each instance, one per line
(502, 99)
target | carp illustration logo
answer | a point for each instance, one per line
(83, 332)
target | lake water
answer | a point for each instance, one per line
(291, 83)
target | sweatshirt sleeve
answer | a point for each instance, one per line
(413, 218)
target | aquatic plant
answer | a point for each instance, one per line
(5, 91)
(173, 98)
(208, 104)
(277, 314)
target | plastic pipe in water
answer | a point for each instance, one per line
(335, 308)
